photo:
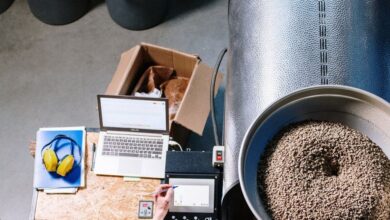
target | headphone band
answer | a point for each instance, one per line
(50, 142)
(57, 139)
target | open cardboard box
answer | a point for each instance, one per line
(194, 109)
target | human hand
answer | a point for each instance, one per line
(161, 201)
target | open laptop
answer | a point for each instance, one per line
(134, 136)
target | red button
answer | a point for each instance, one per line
(219, 157)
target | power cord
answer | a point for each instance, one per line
(218, 151)
(173, 143)
(212, 91)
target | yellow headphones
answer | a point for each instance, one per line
(50, 159)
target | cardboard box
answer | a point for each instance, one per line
(195, 106)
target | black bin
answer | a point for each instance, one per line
(5, 4)
(58, 12)
(137, 14)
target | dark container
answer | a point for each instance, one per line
(58, 12)
(5, 4)
(137, 14)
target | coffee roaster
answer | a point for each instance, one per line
(287, 51)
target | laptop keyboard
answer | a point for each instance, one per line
(132, 146)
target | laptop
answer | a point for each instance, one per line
(133, 138)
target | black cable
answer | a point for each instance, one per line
(212, 91)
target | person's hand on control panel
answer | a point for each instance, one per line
(162, 200)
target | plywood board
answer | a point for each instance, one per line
(104, 197)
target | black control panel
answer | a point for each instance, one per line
(190, 216)
(198, 191)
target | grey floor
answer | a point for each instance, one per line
(50, 75)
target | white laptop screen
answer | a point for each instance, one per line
(133, 114)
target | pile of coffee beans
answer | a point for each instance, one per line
(324, 170)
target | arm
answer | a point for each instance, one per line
(161, 201)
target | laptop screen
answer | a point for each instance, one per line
(133, 113)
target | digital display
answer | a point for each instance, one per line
(191, 195)
(133, 113)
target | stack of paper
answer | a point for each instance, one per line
(63, 141)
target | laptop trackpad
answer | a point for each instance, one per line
(129, 166)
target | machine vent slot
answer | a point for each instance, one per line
(323, 42)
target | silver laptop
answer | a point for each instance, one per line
(134, 136)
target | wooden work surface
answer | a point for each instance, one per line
(104, 197)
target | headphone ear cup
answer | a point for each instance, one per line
(65, 165)
(50, 160)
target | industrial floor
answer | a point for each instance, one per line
(50, 76)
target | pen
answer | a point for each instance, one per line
(93, 156)
(164, 190)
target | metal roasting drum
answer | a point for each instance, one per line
(294, 54)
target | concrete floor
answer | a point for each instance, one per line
(50, 76)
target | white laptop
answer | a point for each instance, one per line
(134, 136)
